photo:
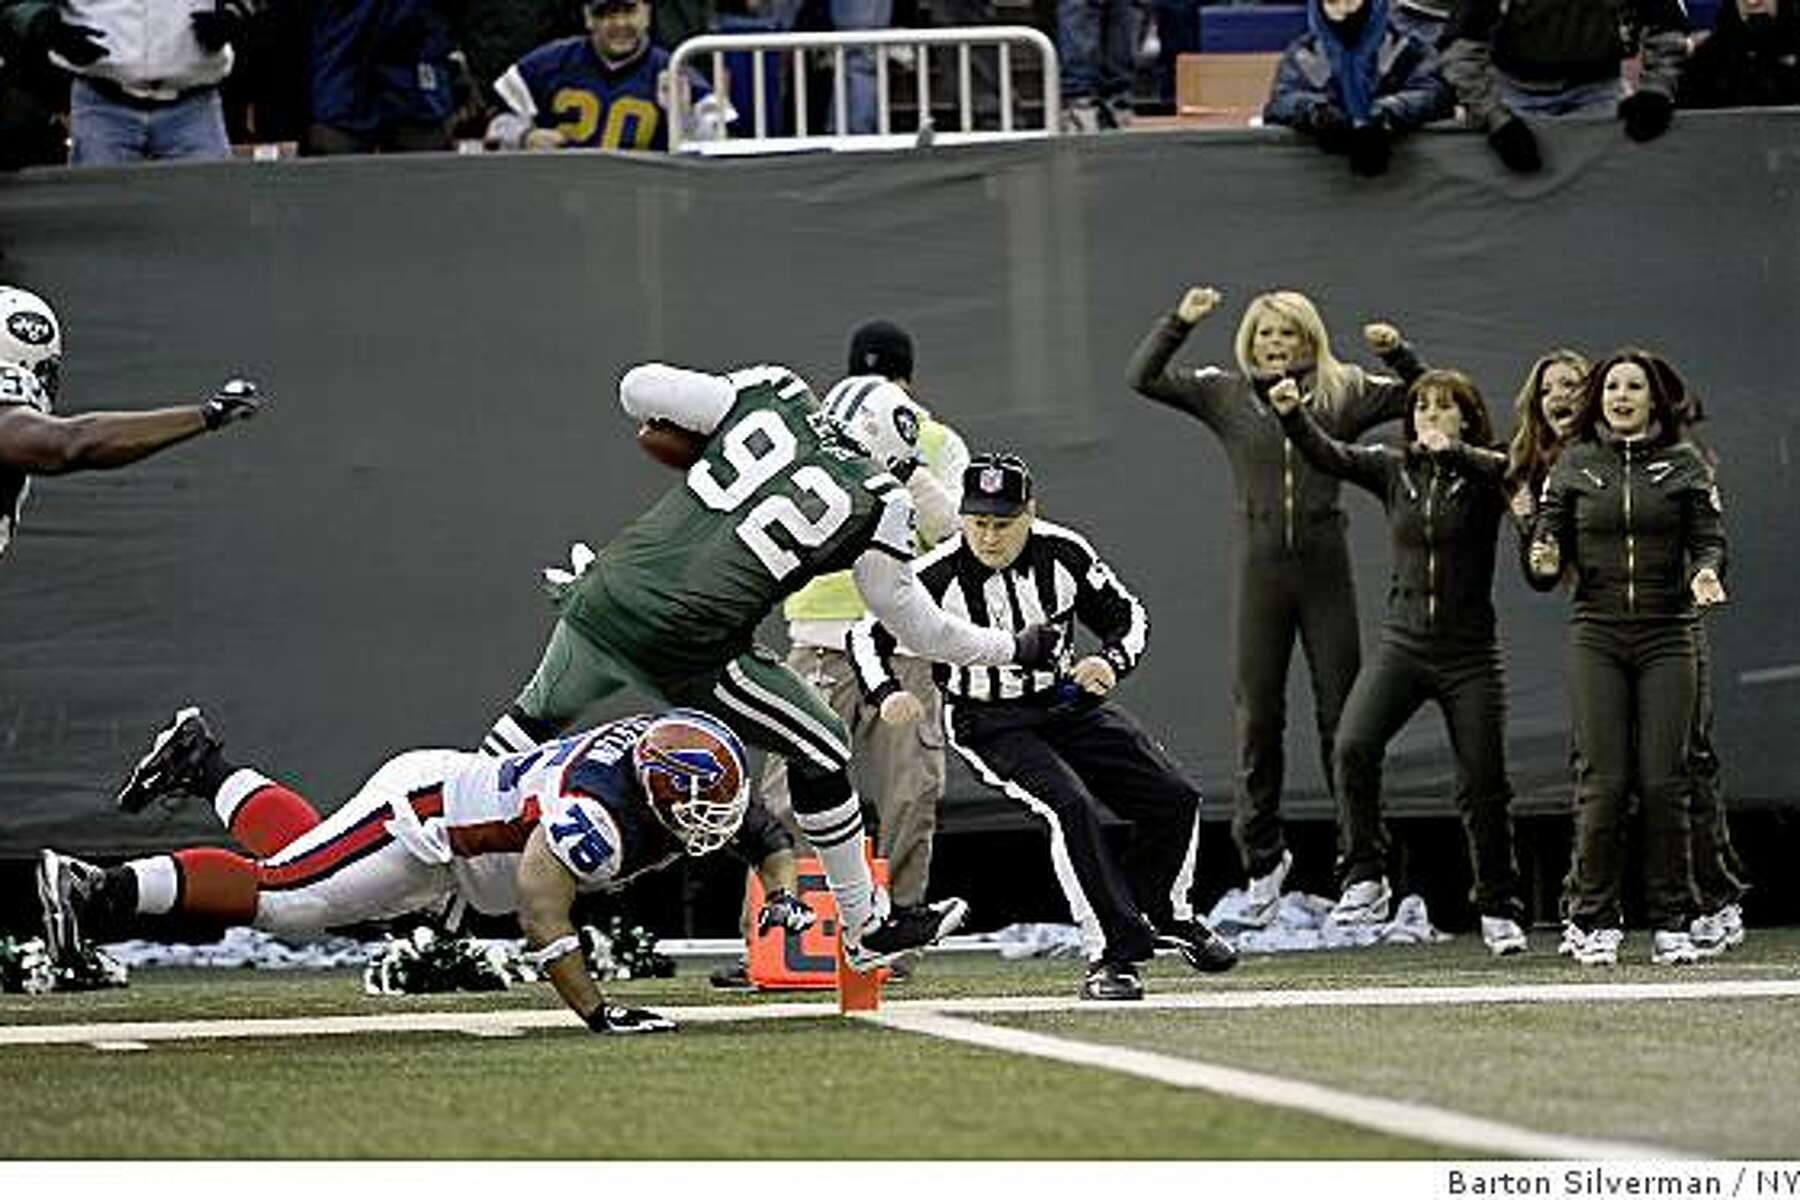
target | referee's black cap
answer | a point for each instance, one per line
(881, 348)
(996, 485)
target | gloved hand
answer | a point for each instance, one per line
(1331, 127)
(1368, 149)
(1646, 115)
(784, 910)
(559, 580)
(236, 400)
(224, 23)
(77, 45)
(1517, 146)
(1037, 646)
(616, 1018)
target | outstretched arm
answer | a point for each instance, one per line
(44, 444)
(546, 894)
(1149, 373)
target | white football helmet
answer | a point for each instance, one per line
(31, 337)
(878, 416)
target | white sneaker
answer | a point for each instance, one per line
(1599, 947)
(1082, 116)
(1715, 933)
(1503, 936)
(1672, 947)
(1363, 903)
(1263, 896)
(1571, 939)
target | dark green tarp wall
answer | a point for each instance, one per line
(356, 573)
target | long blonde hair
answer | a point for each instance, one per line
(1333, 380)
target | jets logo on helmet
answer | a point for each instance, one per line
(877, 415)
(691, 768)
(30, 337)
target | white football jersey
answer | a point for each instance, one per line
(581, 789)
(17, 386)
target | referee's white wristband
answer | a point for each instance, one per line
(568, 943)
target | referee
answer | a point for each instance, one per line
(1049, 739)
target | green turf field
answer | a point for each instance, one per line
(1715, 1076)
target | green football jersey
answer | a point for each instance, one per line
(776, 499)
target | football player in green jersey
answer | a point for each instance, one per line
(781, 494)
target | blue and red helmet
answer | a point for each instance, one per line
(693, 773)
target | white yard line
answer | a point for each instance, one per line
(501, 1022)
(1418, 1122)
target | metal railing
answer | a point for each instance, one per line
(880, 42)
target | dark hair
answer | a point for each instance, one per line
(1535, 444)
(1478, 426)
(1672, 406)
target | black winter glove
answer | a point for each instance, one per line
(1646, 115)
(784, 910)
(1331, 127)
(1517, 146)
(236, 400)
(1368, 150)
(77, 45)
(1037, 646)
(224, 24)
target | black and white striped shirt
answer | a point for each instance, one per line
(1056, 578)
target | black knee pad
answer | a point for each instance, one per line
(815, 790)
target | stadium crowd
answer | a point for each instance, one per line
(103, 81)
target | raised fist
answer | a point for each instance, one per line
(1285, 396)
(1382, 337)
(1197, 303)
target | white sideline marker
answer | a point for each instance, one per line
(1417, 1122)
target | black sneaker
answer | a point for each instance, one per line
(65, 886)
(905, 929)
(734, 977)
(1112, 981)
(1204, 950)
(173, 765)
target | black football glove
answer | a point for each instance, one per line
(1646, 115)
(784, 910)
(77, 45)
(616, 1018)
(1037, 646)
(1368, 149)
(1517, 146)
(223, 23)
(236, 400)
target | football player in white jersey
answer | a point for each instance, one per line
(521, 834)
(34, 441)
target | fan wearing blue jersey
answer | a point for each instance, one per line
(610, 90)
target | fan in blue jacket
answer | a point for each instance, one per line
(1352, 82)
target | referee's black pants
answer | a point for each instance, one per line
(1069, 765)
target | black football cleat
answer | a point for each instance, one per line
(173, 765)
(905, 929)
(65, 888)
(1204, 950)
(1112, 981)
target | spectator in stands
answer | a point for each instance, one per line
(498, 33)
(146, 73)
(1292, 563)
(1444, 498)
(862, 86)
(1513, 59)
(1097, 42)
(1423, 19)
(1352, 82)
(1751, 58)
(381, 76)
(608, 89)
(34, 99)
(901, 767)
(1633, 508)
